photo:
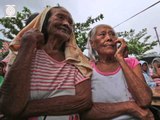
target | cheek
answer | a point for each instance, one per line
(98, 42)
(51, 27)
(96, 46)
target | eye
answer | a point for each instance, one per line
(102, 34)
(60, 16)
(111, 33)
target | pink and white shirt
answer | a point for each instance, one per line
(111, 87)
(50, 78)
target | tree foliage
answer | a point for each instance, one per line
(138, 43)
(12, 25)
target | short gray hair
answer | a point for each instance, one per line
(92, 54)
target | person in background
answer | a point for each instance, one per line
(119, 91)
(50, 77)
(146, 73)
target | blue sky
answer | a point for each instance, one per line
(114, 11)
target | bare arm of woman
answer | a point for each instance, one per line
(62, 105)
(103, 111)
(15, 90)
(136, 84)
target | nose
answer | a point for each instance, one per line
(109, 38)
(67, 26)
(66, 23)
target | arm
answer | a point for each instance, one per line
(136, 80)
(142, 94)
(62, 105)
(15, 90)
(103, 111)
(20, 90)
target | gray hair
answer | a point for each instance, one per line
(92, 54)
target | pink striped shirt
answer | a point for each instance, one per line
(50, 78)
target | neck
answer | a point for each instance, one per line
(107, 65)
(54, 44)
(107, 60)
(55, 49)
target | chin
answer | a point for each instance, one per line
(110, 53)
(63, 37)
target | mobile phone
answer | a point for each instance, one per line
(118, 45)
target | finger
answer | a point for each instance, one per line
(122, 42)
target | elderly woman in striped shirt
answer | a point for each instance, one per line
(50, 77)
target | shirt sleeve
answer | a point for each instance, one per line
(132, 62)
(79, 77)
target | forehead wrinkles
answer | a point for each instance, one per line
(99, 28)
(63, 11)
(104, 28)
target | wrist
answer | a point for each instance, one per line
(27, 48)
(120, 59)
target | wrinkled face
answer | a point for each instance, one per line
(104, 40)
(60, 24)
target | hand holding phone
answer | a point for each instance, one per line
(121, 46)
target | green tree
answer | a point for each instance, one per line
(12, 25)
(138, 43)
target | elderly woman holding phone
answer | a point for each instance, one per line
(119, 91)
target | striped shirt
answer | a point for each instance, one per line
(50, 78)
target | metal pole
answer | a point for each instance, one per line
(155, 28)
